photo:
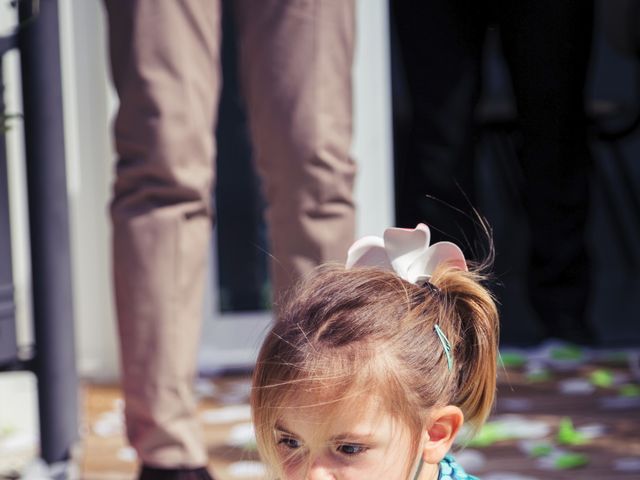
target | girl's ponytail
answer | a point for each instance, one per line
(470, 321)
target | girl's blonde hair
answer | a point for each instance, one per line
(365, 330)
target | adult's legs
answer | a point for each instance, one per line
(165, 62)
(547, 45)
(440, 45)
(296, 59)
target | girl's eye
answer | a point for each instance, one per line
(289, 442)
(351, 449)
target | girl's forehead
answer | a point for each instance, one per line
(358, 417)
(335, 394)
(318, 403)
(322, 395)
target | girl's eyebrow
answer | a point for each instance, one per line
(281, 429)
(357, 437)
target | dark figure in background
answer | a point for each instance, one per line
(547, 45)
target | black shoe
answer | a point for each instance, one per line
(152, 473)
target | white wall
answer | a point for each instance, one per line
(373, 144)
(88, 107)
(89, 103)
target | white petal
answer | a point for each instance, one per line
(368, 252)
(443, 252)
(405, 245)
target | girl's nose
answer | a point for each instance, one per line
(320, 470)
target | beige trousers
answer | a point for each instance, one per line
(296, 59)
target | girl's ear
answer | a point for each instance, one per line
(439, 436)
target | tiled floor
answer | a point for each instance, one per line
(557, 407)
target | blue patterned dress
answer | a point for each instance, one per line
(450, 470)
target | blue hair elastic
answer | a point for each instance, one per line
(445, 345)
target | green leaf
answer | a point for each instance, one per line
(567, 435)
(512, 359)
(630, 390)
(568, 352)
(601, 378)
(571, 460)
(541, 450)
(489, 434)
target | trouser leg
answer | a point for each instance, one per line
(547, 45)
(440, 46)
(166, 71)
(296, 60)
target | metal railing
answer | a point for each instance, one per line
(53, 359)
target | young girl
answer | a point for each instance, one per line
(372, 368)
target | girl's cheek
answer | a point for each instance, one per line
(293, 473)
(293, 467)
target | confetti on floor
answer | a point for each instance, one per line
(562, 412)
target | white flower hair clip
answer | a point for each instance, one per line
(406, 252)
